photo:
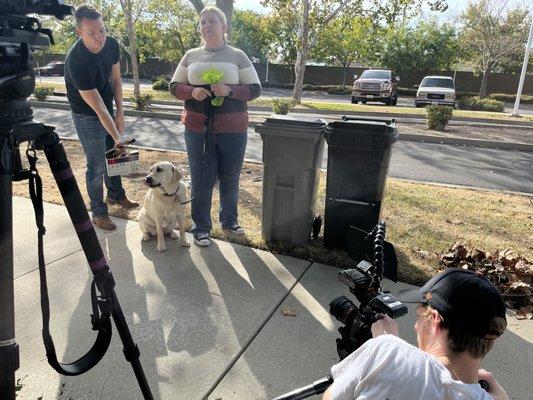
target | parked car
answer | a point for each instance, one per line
(436, 90)
(376, 85)
(52, 68)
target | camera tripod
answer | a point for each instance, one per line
(17, 127)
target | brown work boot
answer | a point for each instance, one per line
(125, 203)
(104, 223)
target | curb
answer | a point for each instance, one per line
(450, 185)
(401, 117)
(398, 116)
(403, 137)
(487, 144)
(406, 118)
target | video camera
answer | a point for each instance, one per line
(377, 259)
(20, 34)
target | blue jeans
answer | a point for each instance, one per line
(95, 142)
(225, 154)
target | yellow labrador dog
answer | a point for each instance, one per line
(163, 207)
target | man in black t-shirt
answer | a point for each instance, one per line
(92, 77)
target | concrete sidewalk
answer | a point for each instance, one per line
(208, 321)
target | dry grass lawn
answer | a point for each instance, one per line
(423, 220)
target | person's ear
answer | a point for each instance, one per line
(436, 320)
(78, 29)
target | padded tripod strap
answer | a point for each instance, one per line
(101, 323)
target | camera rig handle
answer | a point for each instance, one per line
(316, 387)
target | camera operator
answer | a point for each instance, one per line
(460, 314)
(92, 77)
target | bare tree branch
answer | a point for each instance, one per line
(198, 5)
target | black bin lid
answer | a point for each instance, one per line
(364, 127)
(296, 121)
(366, 118)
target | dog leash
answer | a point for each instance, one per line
(175, 193)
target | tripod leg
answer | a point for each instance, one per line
(75, 205)
(131, 350)
(9, 352)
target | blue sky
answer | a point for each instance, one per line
(455, 7)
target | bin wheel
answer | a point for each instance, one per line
(317, 225)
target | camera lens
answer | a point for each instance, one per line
(341, 308)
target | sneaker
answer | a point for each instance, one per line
(202, 239)
(236, 230)
(104, 223)
(125, 203)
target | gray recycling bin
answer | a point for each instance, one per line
(292, 154)
(359, 151)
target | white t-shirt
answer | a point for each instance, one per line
(388, 368)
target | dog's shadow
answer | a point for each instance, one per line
(186, 299)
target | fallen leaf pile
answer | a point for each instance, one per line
(511, 273)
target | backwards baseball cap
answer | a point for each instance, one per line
(465, 299)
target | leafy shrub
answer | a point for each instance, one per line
(282, 105)
(161, 84)
(510, 98)
(156, 78)
(438, 116)
(278, 85)
(476, 103)
(42, 92)
(460, 95)
(339, 90)
(142, 101)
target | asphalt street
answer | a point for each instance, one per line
(425, 162)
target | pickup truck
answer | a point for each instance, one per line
(376, 85)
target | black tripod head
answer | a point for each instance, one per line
(20, 35)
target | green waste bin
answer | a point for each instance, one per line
(359, 151)
(293, 149)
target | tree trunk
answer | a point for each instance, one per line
(485, 80)
(301, 58)
(227, 8)
(345, 69)
(134, 63)
(198, 5)
(130, 27)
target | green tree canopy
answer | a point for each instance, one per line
(174, 29)
(251, 34)
(426, 47)
(344, 40)
(493, 35)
